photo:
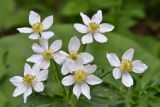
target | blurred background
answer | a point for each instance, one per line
(137, 25)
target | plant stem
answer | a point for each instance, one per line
(105, 74)
(84, 47)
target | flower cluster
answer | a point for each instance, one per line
(77, 67)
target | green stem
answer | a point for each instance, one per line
(105, 74)
(84, 47)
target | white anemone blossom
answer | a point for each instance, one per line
(33, 78)
(93, 28)
(125, 66)
(44, 53)
(81, 76)
(73, 47)
(38, 28)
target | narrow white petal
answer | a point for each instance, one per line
(34, 17)
(74, 44)
(34, 36)
(85, 90)
(56, 45)
(27, 69)
(87, 38)
(36, 48)
(113, 59)
(19, 90)
(60, 57)
(47, 22)
(127, 80)
(81, 28)
(77, 90)
(93, 80)
(117, 73)
(128, 54)
(42, 75)
(65, 70)
(45, 64)
(25, 30)
(85, 18)
(36, 68)
(35, 58)
(90, 68)
(16, 81)
(47, 34)
(139, 66)
(68, 80)
(38, 86)
(27, 93)
(100, 37)
(97, 17)
(78, 64)
(44, 43)
(86, 57)
(105, 27)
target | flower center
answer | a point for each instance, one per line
(73, 55)
(47, 54)
(93, 26)
(126, 65)
(37, 27)
(80, 75)
(28, 79)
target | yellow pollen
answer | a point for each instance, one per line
(28, 79)
(80, 76)
(93, 26)
(37, 27)
(73, 55)
(47, 54)
(126, 65)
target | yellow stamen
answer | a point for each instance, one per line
(80, 75)
(93, 26)
(73, 55)
(47, 54)
(37, 27)
(126, 65)
(28, 79)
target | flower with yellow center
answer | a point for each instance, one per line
(93, 26)
(73, 55)
(37, 27)
(124, 67)
(28, 79)
(47, 54)
(80, 75)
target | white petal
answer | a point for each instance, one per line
(27, 93)
(34, 17)
(117, 73)
(128, 54)
(56, 45)
(85, 90)
(68, 80)
(138, 66)
(16, 81)
(35, 58)
(86, 57)
(100, 37)
(81, 28)
(65, 70)
(36, 68)
(44, 43)
(90, 68)
(127, 80)
(45, 64)
(113, 59)
(19, 90)
(27, 69)
(93, 80)
(87, 38)
(36, 48)
(105, 27)
(47, 22)
(42, 75)
(85, 18)
(74, 44)
(97, 17)
(38, 86)
(25, 30)
(60, 57)
(34, 36)
(47, 34)
(78, 64)
(77, 90)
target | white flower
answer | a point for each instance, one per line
(44, 53)
(126, 65)
(73, 47)
(38, 28)
(93, 28)
(33, 78)
(81, 76)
